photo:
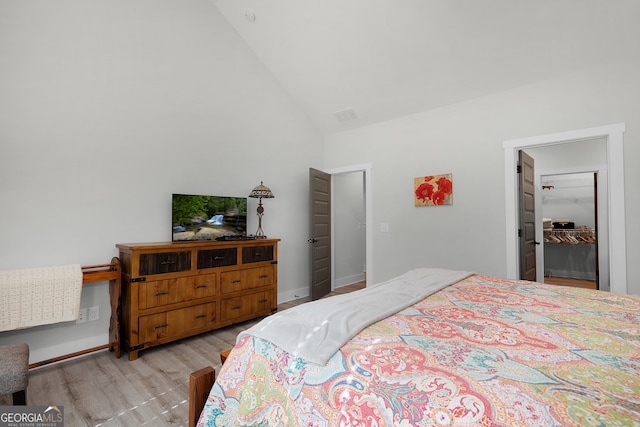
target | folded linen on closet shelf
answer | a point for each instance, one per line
(39, 296)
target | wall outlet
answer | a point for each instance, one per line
(94, 313)
(83, 316)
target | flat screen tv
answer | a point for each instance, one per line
(199, 217)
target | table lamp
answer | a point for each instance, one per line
(261, 192)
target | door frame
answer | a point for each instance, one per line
(368, 195)
(614, 136)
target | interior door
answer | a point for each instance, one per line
(527, 229)
(320, 230)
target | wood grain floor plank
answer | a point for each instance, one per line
(567, 281)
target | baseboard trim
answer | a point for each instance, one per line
(349, 280)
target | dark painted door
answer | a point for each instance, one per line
(320, 230)
(527, 228)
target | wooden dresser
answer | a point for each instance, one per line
(175, 290)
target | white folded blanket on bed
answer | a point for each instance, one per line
(39, 296)
(316, 330)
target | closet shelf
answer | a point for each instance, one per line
(579, 236)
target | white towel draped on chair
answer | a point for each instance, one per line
(39, 296)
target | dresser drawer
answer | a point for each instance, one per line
(239, 280)
(211, 258)
(176, 322)
(253, 304)
(257, 254)
(166, 262)
(170, 291)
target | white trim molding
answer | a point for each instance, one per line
(614, 136)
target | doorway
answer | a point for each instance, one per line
(365, 174)
(570, 224)
(349, 227)
(570, 159)
(613, 137)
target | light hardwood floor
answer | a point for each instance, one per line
(100, 390)
(576, 283)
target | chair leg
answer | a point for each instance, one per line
(20, 397)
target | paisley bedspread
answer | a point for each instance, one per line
(481, 352)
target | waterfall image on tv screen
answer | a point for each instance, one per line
(197, 217)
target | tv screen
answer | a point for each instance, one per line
(198, 217)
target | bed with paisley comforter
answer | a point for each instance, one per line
(480, 351)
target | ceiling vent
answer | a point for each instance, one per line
(346, 115)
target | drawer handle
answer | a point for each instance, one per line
(200, 286)
(201, 316)
(236, 307)
(264, 276)
(264, 300)
(157, 294)
(235, 281)
(257, 254)
(216, 258)
(160, 326)
(165, 262)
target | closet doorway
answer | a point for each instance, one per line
(573, 165)
(613, 135)
(570, 223)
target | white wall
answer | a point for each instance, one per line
(106, 109)
(466, 140)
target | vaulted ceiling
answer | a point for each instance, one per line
(375, 60)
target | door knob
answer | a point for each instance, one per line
(313, 240)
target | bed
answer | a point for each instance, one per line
(469, 351)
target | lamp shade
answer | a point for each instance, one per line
(261, 191)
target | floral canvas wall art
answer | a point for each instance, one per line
(433, 190)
